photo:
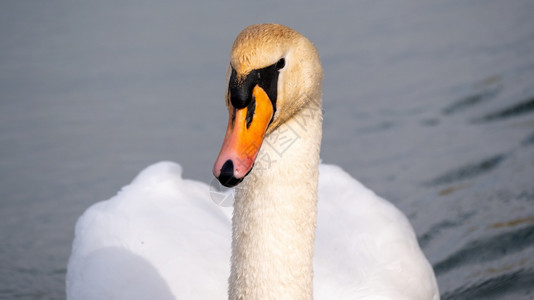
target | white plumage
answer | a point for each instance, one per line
(162, 237)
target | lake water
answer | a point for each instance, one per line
(429, 103)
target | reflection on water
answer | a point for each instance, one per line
(431, 104)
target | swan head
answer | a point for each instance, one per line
(274, 71)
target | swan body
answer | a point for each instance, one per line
(162, 237)
(298, 228)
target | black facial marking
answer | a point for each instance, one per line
(267, 78)
(240, 92)
(251, 108)
(233, 114)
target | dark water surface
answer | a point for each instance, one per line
(429, 104)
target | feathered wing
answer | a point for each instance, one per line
(161, 237)
(365, 247)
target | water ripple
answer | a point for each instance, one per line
(488, 249)
(469, 171)
(441, 226)
(529, 140)
(496, 287)
(472, 100)
(518, 109)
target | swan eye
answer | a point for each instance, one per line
(280, 64)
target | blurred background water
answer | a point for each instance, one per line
(429, 103)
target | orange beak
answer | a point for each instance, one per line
(243, 139)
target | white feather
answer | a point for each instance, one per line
(162, 237)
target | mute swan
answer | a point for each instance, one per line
(162, 237)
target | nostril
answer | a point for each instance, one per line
(227, 177)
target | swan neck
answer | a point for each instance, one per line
(275, 213)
